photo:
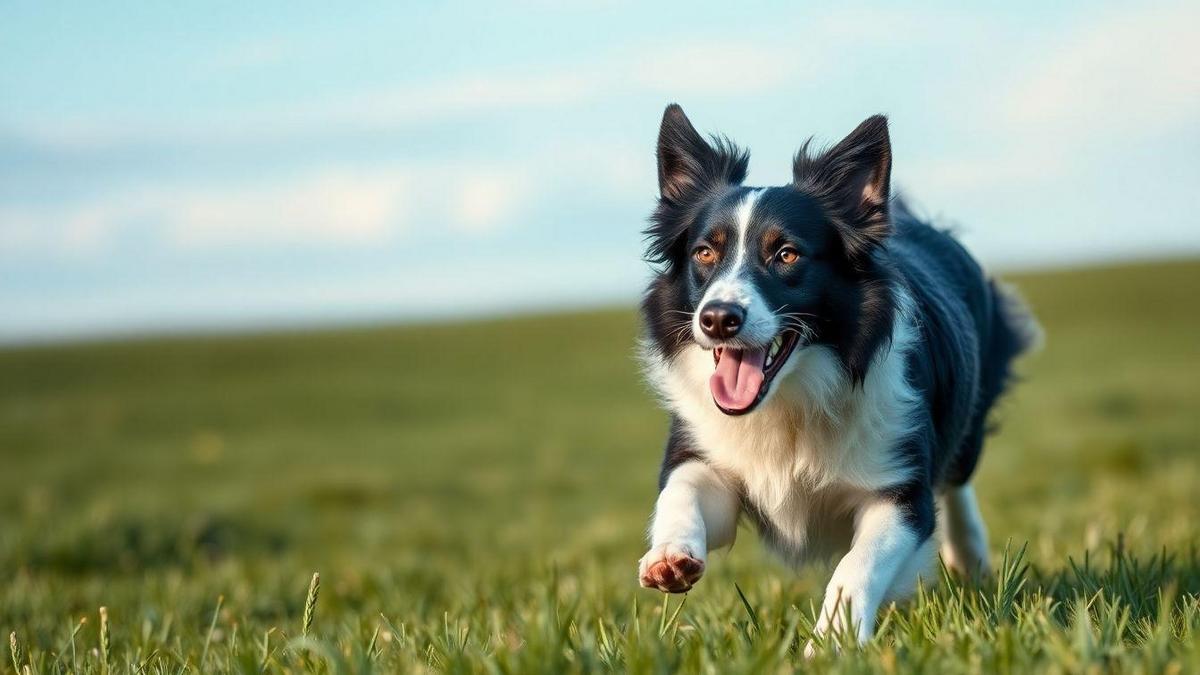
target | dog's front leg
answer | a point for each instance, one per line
(696, 512)
(890, 530)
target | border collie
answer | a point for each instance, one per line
(828, 361)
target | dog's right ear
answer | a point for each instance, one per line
(687, 164)
(688, 167)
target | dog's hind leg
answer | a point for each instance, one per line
(964, 535)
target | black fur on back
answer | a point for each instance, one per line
(971, 330)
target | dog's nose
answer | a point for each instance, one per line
(722, 320)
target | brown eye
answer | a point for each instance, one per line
(787, 255)
(704, 255)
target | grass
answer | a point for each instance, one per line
(474, 498)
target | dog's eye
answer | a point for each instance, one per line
(704, 255)
(787, 255)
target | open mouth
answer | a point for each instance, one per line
(743, 376)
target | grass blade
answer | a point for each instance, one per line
(212, 626)
(749, 608)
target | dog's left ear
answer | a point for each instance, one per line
(854, 178)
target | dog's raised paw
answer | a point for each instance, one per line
(670, 568)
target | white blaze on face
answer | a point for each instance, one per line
(737, 286)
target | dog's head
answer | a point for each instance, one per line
(758, 274)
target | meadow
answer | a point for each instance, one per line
(474, 497)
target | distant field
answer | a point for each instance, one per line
(474, 497)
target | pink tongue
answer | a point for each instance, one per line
(738, 378)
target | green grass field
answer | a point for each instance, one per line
(474, 497)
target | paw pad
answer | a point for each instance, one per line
(670, 570)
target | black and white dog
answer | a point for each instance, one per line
(828, 361)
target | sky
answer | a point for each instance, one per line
(175, 166)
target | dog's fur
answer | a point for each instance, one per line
(902, 346)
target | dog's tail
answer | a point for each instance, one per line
(1015, 330)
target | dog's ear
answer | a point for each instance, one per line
(687, 164)
(853, 178)
(688, 167)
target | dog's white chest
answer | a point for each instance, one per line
(802, 485)
(811, 453)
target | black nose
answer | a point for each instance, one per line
(722, 320)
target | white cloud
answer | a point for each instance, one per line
(68, 231)
(1128, 71)
(666, 69)
(1071, 147)
(331, 207)
(336, 207)
(485, 200)
(1058, 106)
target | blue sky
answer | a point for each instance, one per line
(168, 167)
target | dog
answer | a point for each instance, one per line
(828, 361)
